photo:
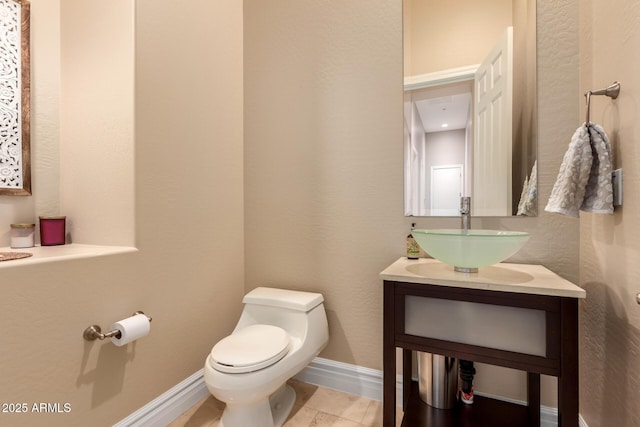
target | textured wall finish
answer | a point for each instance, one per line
(45, 123)
(188, 273)
(610, 244)
(453, 39)
(323, 160)
(96, 122)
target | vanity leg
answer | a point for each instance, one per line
(388, 358)
(568, 389)
(407, 369)
(533, 397)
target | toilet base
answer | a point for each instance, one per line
(281, 403)
(269, 412)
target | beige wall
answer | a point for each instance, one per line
(323, 176)
(441, 35)
(323, 160)
(189, 271)
(45, 123)
(96, 121)
(610, 245)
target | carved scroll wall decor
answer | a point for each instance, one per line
(15, 164)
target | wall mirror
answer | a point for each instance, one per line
(15, 165)
(470, 111)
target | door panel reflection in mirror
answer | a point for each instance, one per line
(445, 51)
(15, 173)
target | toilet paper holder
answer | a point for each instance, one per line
(94, 332)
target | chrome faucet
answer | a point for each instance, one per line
(465, 213)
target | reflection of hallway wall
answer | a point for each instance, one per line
(442, 148)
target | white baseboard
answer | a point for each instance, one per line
(344, 377)
(322, 372)
(170, 405)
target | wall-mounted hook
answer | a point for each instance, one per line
(612, 91)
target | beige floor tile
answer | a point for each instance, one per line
(343, 405)
(201, 414)
(300, 416)
(399, 416)
(373, 415)
(323, 419)
(178, 422)
(315, 407)
(303, 391)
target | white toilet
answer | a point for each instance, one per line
(278, 334)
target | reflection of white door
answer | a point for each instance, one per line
(446, 189)
(491, 194)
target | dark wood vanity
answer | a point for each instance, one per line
(546, 338)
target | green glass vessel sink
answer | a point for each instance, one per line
(468, 250)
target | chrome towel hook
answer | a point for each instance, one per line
(612, 91)
(94, 332)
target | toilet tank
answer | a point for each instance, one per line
(298, 313)
(294, 300)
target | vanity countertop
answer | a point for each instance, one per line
(504, 277)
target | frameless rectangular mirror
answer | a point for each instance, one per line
(15, 167)
(470, 107)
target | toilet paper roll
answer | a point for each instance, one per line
(131, 329)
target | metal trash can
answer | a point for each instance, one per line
(437, 380)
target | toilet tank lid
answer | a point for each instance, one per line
(295, 300)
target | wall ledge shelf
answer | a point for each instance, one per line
(44, 254)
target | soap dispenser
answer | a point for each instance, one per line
(413, 250)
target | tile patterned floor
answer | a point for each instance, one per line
(315, 407)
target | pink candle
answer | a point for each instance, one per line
(52, 230)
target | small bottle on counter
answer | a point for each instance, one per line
(23, 235)
(413, 250)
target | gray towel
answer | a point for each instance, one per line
(598, 196)
(584, 179)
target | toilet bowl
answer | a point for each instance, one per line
(278, 334)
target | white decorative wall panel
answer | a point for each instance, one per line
(11, 174)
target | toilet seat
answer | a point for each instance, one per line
(250, 349)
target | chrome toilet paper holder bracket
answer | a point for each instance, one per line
(94, 332)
